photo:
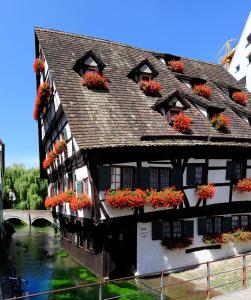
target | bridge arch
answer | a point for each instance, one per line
(41, 221)
(15, 220)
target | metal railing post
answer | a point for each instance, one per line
(162, 286)
(208, 280)
(244, 271)
(100, 290)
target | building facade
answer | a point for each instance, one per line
(239, 63)
(99, 139)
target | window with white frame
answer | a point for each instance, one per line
(122, 177)
(160, 178)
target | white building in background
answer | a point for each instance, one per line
(240, 58)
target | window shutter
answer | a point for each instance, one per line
(177, 178)
(227, 224)
(230, 172)
(157, 230)
(201, 226)
(190, 174)
(188, 229)
(143, 178)
(104, 178)
(79, 187)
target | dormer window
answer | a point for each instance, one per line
(89, 63)
(143, 72)
(174, 110)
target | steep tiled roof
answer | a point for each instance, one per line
(123, 116)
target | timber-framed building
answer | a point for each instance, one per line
(121, 137)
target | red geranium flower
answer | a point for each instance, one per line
(151, 87)
(122, 198)
(96, 81)
(220, 122)
(243, 185)
(80, 202)
(60, 146)
(38, 66)
(206, 191)
(168, 197)
(182, 123)
(202, 90)
(176, 66)
(240, 98)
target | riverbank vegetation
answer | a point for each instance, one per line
(23, 188)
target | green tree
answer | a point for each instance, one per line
(23, 188)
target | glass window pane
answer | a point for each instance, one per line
(198, 175)
(127, 179)
(235, 222)
(115, 178)
(164, 178)
(217, 225)
(166, 230)
(154, 182)
(209, 225)
(244, 222)
(177, 229)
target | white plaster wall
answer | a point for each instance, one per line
(240, 57)
(153, 257)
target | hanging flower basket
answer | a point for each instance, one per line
(151, 87)
(95, 81)
(243, 185)
(182, 123)
(205, 192)
(240, 98)
(176, 242)
(122, 198)
(60, 146)
(220, 122)
(202, 90)
(176, 66)
(38, 66)
(168, 197)
(81, 202)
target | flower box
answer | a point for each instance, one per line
(220, 122)
(122, 198)
(95, 81)
(182, 123)
(151, 87)
(235, 236)
(243, 185)
(205, 192)
(176, 242)
(38, 66)
(240, 98)
(202, 90)
(176, 66)
(60, 146)
(168, 197)
(43, 94)
(80, 202)
(51, 202)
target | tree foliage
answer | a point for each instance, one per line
(23, 188)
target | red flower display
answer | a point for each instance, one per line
(52, 201)
(151, 87)
(182, 123)
(238, 235)
(66, 196)
(206, 191)
(122, 198)
(96, 81)
(168, 197)
(43, 94)
(243, 185)
(81, 202)
(60, 146)
(176, 66)
(49, 160)
(202, 90)
(220, 122)
(240, 98)
(38, 66)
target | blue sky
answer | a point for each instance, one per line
(196, 29)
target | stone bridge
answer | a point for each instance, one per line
(27, 216)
